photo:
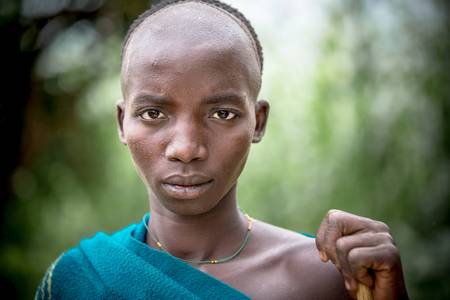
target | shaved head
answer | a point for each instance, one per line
(190, 31)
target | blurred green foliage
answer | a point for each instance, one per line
(366, 133)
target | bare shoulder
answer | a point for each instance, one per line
(293, 259)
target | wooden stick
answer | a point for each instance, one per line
(364, 293)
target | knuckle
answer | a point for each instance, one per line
(391, 257)
(392, 250)
(332, 211)
(386, 237)
(341, 245)
(381, 226)
(333, 215)
(341, 255)
(353, 256)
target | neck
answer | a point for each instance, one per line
(211, 235)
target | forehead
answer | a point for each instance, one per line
(189, 36)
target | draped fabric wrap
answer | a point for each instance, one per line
(122, 266)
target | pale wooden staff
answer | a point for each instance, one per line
(364, 293)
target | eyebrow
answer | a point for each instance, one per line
(149, 98)
(231, 98)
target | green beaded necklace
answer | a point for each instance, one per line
(208, 261)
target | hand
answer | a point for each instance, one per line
(364, 252)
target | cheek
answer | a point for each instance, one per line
(139, 150)
(242, 145)
(144, 148)
(241, 141)
(233, 151)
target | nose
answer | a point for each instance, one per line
(187, 143)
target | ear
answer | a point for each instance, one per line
(120, 105)
(262, 108)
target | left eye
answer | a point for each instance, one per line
(224, 115)
(152, 114)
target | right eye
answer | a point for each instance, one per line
(152, 114)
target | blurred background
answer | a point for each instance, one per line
(360, 95)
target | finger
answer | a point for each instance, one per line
(369, 263)
(337, 224)
(345, 244)
(325, 227)
(368, 239)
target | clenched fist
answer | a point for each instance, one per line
(364, 252)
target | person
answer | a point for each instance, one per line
(190, 77)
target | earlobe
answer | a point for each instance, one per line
(120, 106)
(262, 108)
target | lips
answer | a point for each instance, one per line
(186, 187)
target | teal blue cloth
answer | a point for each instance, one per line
(122, 266)
(308, 235)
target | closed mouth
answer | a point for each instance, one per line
(186, 180)
(186, 187)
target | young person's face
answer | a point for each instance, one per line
(189, 115)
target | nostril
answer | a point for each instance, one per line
(187, 143)
(186, 154)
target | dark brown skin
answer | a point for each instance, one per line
(188, 117)
(363, 251)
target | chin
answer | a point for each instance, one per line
(188, 207)
(189, 203)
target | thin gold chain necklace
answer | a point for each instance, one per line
(208, 261)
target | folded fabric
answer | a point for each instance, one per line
(122, 266)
